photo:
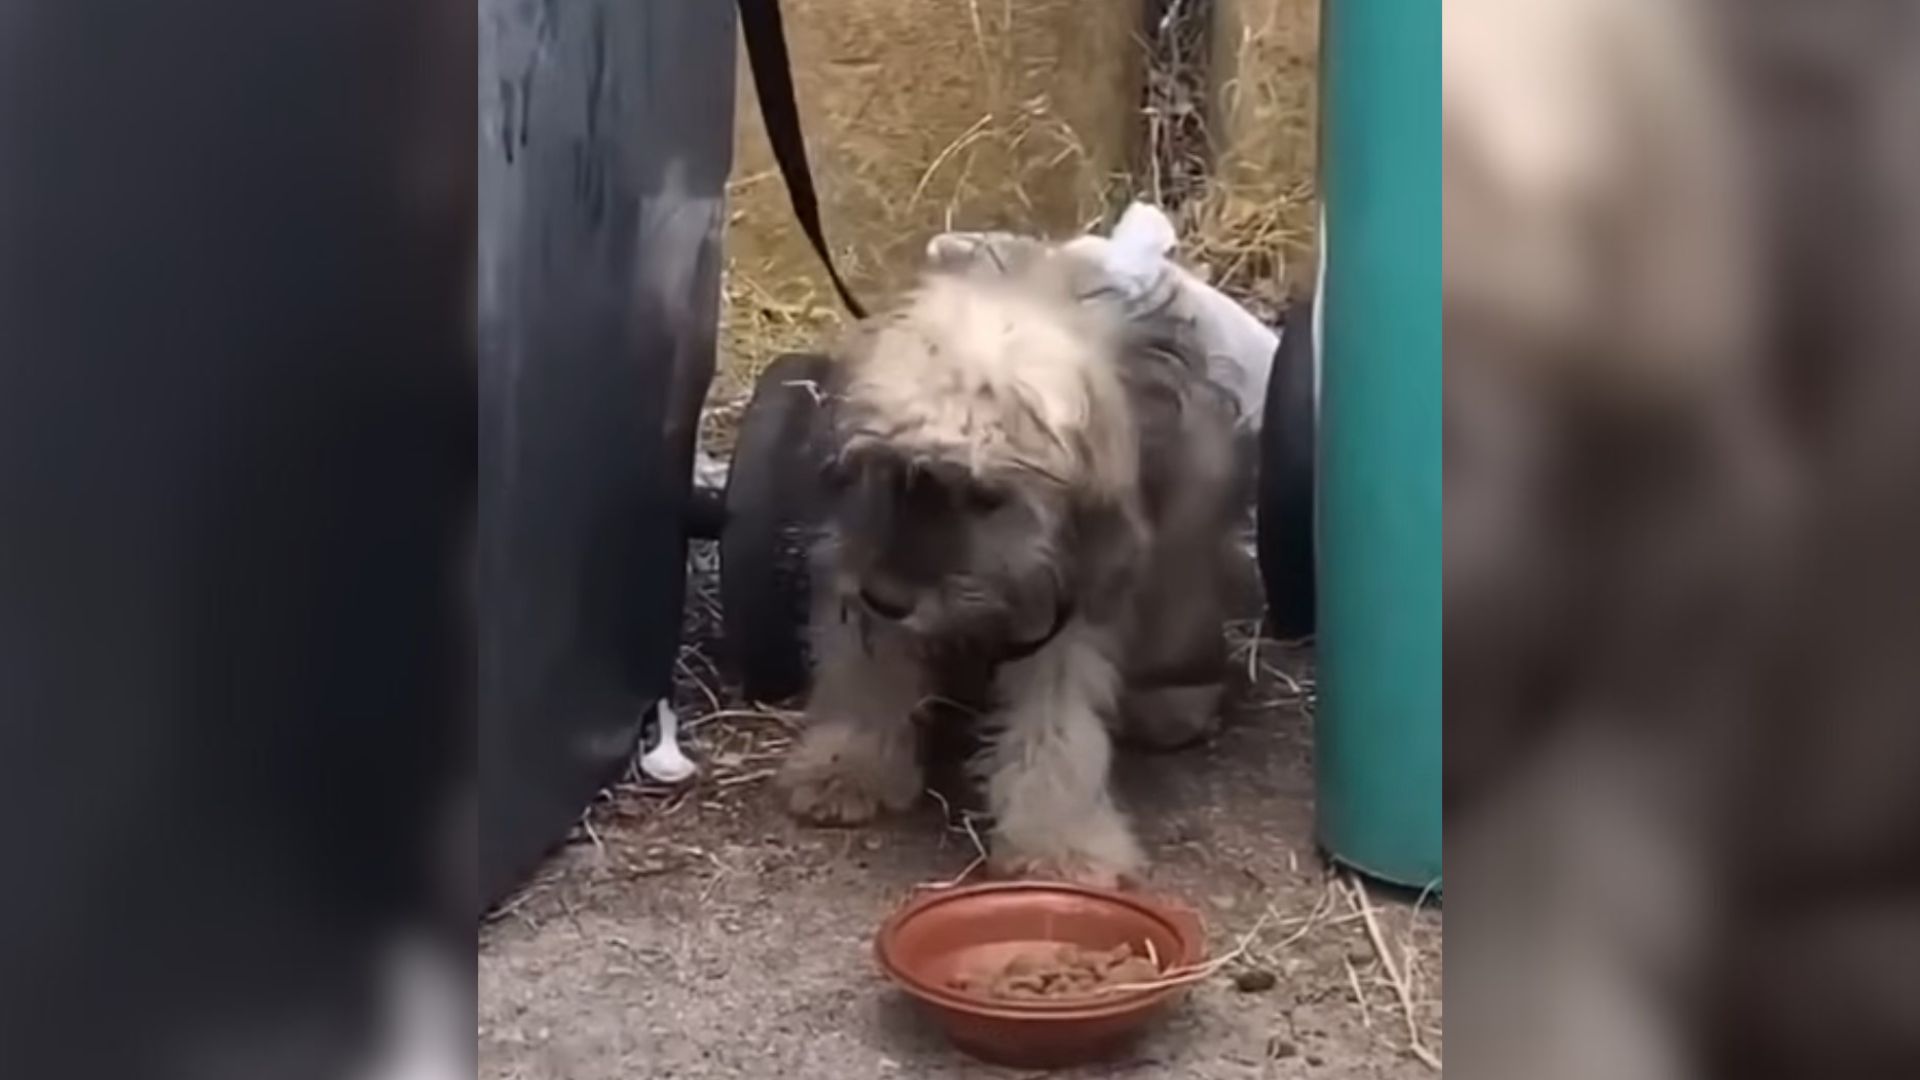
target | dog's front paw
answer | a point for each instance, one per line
(839, 776)
(829, 799)
(1073, 868)
(1101, 853)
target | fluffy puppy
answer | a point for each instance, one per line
(1033, 493)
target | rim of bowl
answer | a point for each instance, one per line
(1185, 924)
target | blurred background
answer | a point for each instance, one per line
(1682, 366)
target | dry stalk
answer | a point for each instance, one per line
(1363, 904)
(586, 826)
(1313, 920)
(744, 778)
(957, 880)
(1192, 973)
(973, 835)
(706, 691)
(786, 719)
(1359, 995)
(974, 133)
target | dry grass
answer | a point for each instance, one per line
(759, 321)
(1401, 974)
(1019, 125)
(1248, 243)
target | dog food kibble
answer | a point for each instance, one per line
(1053, 972)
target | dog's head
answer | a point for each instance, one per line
(983, 459)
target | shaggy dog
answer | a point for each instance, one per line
(1033, 492)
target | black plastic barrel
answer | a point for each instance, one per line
(605, 141)
(236, 448)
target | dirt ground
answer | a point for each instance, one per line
(700, 932)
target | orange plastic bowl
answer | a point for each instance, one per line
(935, 937)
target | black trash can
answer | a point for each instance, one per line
(606, 133)
(236, 448)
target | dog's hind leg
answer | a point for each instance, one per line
(859, 753)
(1046, 770)
(1176, 655)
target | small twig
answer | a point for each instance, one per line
(744, 778)
(785, 720)
(512, 908)
(1420, 902)
(1337, 920)
(1196, 972)
(713, 884)
(945, 806)
(980, 848)
(967, 138)
(979, 38)
(1313, 920)
(713, 699)
(965, 826)
(811, 386)
(1415, 1045)
(937, 700)
(586, 825)
(1359, 995)
(1293, 684)
(958, 879)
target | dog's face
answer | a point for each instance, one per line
(971, 431)
(945, 551)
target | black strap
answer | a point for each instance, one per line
(773, 82)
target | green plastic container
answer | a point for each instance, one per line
(1379, 511)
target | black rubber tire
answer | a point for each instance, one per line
(1289, 434)
(772, 505)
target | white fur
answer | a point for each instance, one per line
(958, 371)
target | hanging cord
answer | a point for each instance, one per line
(766, 41)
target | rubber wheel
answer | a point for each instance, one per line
(1288, 440)
(772, 512)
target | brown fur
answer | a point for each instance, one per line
(1034, 491)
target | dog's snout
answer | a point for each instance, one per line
(886, 604)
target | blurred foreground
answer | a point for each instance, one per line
(1682, 465)
(236, 452)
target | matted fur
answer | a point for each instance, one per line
(1033, 493)
(1001, 374)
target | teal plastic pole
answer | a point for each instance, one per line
(1379, 515)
